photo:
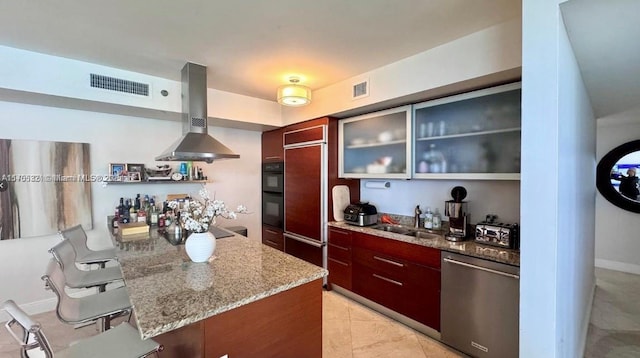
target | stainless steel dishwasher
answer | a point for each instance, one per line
(479, 306)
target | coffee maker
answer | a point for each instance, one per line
(456, 210)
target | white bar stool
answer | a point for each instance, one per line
(65, 255)
(121, 341)
(74, 310)
(78, 239)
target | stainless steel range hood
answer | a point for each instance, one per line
(195, 144)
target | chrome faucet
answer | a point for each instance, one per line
(416, 217)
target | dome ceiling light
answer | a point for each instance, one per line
(293, 94)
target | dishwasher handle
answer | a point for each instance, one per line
(455, 262)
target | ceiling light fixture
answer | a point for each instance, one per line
(293, 94)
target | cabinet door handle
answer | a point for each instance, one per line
(338, 262)
(388, 280)
(271, 232)
(388, 261)
(273, 157)
(455, 262)
(340, 247)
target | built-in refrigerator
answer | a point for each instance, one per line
(305, 194)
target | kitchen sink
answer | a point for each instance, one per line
(393, 228)
(397, 229)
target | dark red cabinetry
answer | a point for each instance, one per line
(272, 147)
(272, 236)
(339, 258)
(400, 276)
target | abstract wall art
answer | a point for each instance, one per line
(44, 187)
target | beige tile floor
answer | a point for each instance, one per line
(614, 330)
(353, 331)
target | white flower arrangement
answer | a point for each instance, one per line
(196, 216)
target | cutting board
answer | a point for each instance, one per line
(340, 194)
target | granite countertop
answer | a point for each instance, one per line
(168, 291)
(468, 247)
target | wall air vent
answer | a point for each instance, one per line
(119, 85)
(198, 122)
(360, 89)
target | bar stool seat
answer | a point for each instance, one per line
(73, 310)
(78, 238)
(65, 255)
(121, 341)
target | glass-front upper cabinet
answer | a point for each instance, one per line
(376, 145)
(474, 135)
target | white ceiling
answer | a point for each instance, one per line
(605, 38)
(249, 47)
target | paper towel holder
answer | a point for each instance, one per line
(377, 184)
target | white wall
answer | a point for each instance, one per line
(483, 197)
(484, 53)
(617, 230)
(557, 190)
(117, 139)
(36, 78)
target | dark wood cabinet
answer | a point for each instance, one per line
(272, 236)
(400, 276)
(339, 258)
(272, 146)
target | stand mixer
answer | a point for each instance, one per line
(456, 210)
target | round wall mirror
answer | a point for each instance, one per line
(616, 176)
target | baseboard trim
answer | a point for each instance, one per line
(618, 266)
(33, 308)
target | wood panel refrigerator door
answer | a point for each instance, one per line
(303, 194)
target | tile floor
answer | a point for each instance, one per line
(614, 330)
(351, 330)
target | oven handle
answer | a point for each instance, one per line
(455, 262)
(303, 240)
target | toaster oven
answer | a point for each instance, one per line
(498, 234)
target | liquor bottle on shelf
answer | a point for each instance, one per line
(136, 204)
(114, 220)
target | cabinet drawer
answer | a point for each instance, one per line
(341, 253)
(379, 287)
(339, 246)
(339, 273)
(340, 237)
(422, 255)
(386, 265)
(273, 237)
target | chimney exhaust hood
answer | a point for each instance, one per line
(195, 144)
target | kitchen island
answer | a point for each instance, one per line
(248, 300)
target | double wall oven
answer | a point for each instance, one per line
(273, 194)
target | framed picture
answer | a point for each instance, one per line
(116, 169)
(133, 176)
(136, 168)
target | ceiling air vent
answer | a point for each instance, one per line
(119, 85)
(360, 89)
